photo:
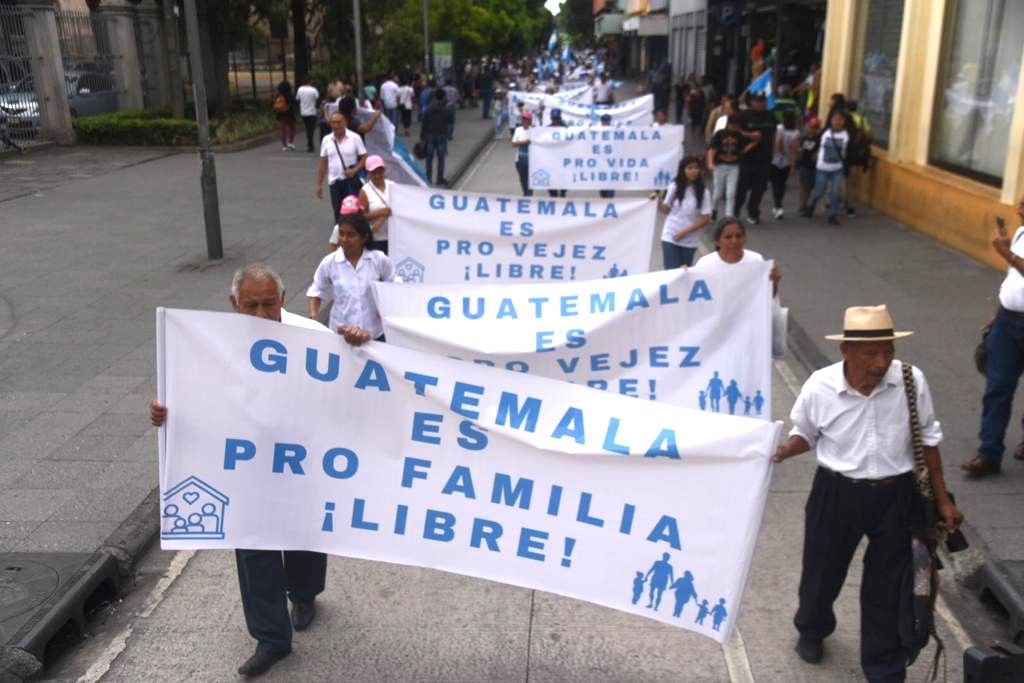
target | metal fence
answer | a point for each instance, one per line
(19, 106)
(88, 63)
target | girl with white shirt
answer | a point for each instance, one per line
(346, 276)
(688, 207)
(829, 169)
(375, 200)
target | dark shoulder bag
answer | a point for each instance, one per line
(355, 183)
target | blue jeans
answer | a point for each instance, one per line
(676, 256)
(451, 121)
(500, 119)
(392, 115)
(832, 179)
(339, 190)
(487, 96)
(523, 168)
(1005, 344)
(436, 144)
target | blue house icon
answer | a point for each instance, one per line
(410, 270)
(662, 179)
(540, 178)
(193, 510)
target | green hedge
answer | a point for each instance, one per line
(147, 127)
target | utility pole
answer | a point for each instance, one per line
(426, 39)
(357, 22)
(170, 36)
(208, 174)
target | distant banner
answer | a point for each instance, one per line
(279, 437)
(638, 111)
(605, 157)
(699, 338)
(444, 236)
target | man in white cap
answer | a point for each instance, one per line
(855, 414)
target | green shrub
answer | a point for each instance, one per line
(155, 127)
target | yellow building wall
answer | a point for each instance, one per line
(946, 206)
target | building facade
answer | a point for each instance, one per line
(940, 83)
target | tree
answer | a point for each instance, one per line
(577, 20)
(300, 47)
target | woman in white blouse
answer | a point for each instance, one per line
(347, 276)
(375, 200)
(730, 241)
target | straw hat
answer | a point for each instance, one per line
(867, 323)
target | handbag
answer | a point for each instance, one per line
(420, 150)
(981, 350)
(920, 586)
(355, 182)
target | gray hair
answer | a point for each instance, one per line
(255, 271)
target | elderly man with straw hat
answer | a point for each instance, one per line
(855, 414)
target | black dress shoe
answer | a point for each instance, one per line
(980, 467)
(809, 649)
(302, 614)
(261, 661)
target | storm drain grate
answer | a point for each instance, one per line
(1004, 582)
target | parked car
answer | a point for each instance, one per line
(90, 92)
(19, 108)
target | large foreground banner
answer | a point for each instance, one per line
(443, 236)
(285, 438)
(605, 157)
(699, 338)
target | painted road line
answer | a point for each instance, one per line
(736, 660)
(466, 177)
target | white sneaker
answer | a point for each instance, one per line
(777, 213)
(291, 146)
(284, 149)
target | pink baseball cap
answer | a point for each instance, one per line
(350, 204)
(373, 162)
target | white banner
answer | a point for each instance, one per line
(638, 111)
(381, 140)
(445, 236)
(699, 338)
(605, 157)
(284, 438)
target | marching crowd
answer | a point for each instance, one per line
(872, 455)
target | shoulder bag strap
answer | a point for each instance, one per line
(341, 158)
(924, 482)
(379, 195)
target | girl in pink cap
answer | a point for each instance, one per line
(375, 201)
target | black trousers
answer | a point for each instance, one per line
(778, 178)
(838, 514)
(753, 182)
(267, 579)
(310, 123)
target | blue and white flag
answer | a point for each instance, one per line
(553, 40)
(763, 83)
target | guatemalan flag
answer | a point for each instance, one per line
(763, 83)
(553, 40)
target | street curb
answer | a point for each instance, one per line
(453, 178)
(243, 145)
(135, 533)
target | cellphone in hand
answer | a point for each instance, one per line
(1001, 226)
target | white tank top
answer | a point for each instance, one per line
(376, 199)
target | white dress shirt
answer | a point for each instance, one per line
(714, 260)
(351, 288)
(863, 437)
(1011, 292)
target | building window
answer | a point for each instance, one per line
(883, 26)
(978, 87)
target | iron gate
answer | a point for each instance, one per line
(88, 63)
(19, 106)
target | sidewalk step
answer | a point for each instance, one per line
(1003, 581)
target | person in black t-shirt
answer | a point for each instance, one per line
(806, 160)
(755, 164)
(724, 155)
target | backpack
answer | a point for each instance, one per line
(280, 103)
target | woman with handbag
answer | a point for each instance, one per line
(375, 200)
(829, 168)
(342, 158)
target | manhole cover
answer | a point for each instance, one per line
(24, 585)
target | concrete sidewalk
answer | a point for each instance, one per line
(940, 294)
(94, 239)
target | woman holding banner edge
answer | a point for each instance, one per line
(688, 207)
(730, 241)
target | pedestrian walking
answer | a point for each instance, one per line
(283, 103)
(755, 164)
(687, 206)
(347, 276)
(308, 96)
(723, 159)
(859, 154)
(855, 414)
(730, 237)
(1005, 362)
(606, 121)
(485, 86)
(604, 93)
(501, 118)
(829, 166)
(389, 99)
(807, 160)
(375, 201)
(406, 99)
(268, 579)
(556, 122)
(787, 139)
(521, 141)
(434, 133)
(451, 98)
(717, 117)
(342, 158)
(349, 205)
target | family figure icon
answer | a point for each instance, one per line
(711, 397)
(661, 577)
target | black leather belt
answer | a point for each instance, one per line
(866, 483)
(1015, 314)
